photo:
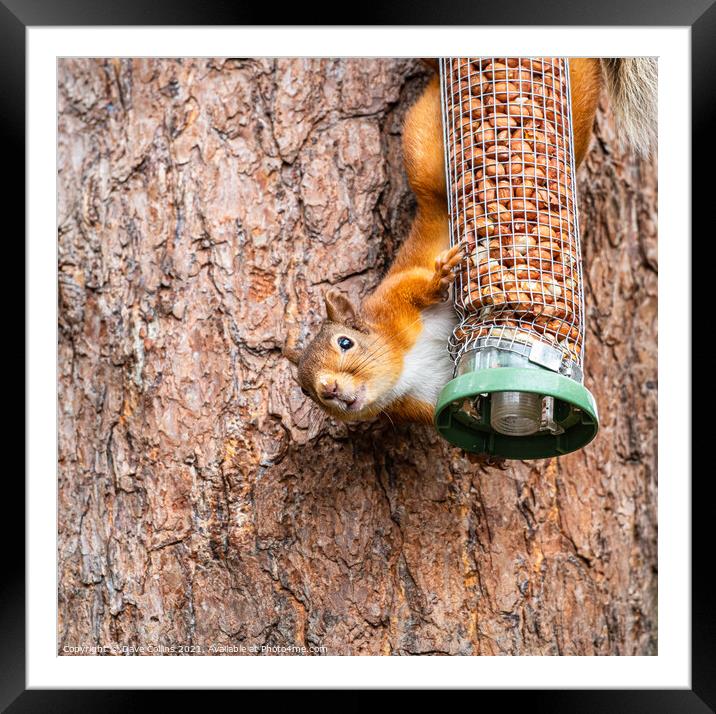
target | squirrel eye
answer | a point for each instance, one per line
(305, 392)
(345, 343)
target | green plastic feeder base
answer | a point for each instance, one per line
(575, 412)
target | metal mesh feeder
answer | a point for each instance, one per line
(518, 348)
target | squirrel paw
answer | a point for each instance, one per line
(444, 264)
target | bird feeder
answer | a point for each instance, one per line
(517, 390)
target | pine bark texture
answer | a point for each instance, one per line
(203, 208)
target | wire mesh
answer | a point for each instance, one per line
(511, 197)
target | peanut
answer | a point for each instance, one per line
(526, 208)
(505, 91)
(489, 266)
(504, 190)
(484, 226)
(525, 189)
(491, 168)
(500, 119)
(544, 232)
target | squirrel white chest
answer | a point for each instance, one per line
(427, 366)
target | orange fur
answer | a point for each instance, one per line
(585, 78)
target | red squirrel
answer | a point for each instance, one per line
(390, 355)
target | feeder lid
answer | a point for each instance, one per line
(575, 412)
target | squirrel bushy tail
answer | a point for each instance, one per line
(632, 83)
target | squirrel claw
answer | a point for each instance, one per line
(444, 264)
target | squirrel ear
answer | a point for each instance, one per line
(290, 349)
(341, 310)
(291, 354)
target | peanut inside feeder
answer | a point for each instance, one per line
(518, 348)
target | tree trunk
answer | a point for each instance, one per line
(204, 207)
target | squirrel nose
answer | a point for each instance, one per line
(329, 391)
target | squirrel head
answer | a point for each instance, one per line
(348, 369)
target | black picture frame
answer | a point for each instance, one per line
(699, 15)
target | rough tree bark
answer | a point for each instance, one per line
(204, 206)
